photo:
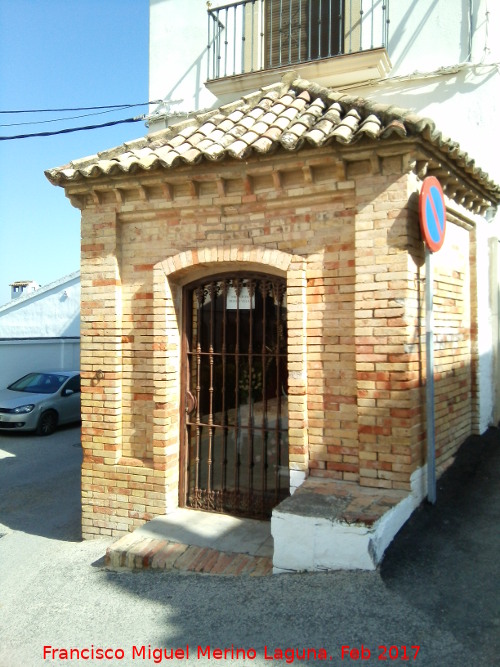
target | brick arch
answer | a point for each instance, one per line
(185, 266)
(170, 276)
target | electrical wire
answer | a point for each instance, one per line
(99, 110)
(73, 129)
(58, 120)
(109, 106)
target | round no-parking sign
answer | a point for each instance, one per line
(432, 212)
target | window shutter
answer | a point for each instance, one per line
(302, 30)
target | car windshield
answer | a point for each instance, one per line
(39, 383)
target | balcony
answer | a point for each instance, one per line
(334, 42)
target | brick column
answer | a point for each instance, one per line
(387, 375)
(101, 366)
(297, 373)
(166, 351)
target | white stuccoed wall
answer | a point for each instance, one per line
(178, 36)
(41, 330)
(434, 74)
(485, 338)
(424, 36)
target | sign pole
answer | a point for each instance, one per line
(432, 214)
(429, 347)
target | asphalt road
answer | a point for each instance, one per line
(438, 587)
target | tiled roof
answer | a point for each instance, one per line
(284, 115)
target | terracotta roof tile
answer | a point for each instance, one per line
(239, 149)
(394, 127)
(215, 152)
(284, 115)
(192, 156)
(371, 127)
(263, 145)
(346, 130)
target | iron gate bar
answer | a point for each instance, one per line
(236, 286)
(278, 392)
(250, 406)
(207, 356)
(253, 22)
(309, 28)
(341, 28)
(290, 31)
(361, 13)
(319, 29)
(264, 287)
(300, 31)
(198, 392)
(271, 32)
(328, 33)
(385, 10)
(280, 31)
(212, 292)
(225, 286)
(242, 40)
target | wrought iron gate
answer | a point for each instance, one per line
(235, 395)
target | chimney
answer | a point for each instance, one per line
(21, 287)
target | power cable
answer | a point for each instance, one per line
(110, 106)
(73, 129)
(57, 120)
(105, 109)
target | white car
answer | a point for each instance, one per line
(41, 401)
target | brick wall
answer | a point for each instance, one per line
(344, 233)
(452, 343)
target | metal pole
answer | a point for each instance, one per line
(429, 346)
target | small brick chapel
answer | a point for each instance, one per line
(253, 307)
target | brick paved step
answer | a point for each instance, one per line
(135, 552)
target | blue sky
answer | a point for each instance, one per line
(55, 54)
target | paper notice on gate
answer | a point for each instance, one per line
(243, 301)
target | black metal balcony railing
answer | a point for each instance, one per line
(252, 35)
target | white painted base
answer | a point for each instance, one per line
(308, 543)
(297, 478)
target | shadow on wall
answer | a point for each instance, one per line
(431, 92)
(453, 288)
(198, 65)
(410, 27)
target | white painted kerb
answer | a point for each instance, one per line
(305, 543)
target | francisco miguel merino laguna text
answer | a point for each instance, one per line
(158, 655)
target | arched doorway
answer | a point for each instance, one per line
(235, 404)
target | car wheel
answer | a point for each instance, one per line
(47, 423)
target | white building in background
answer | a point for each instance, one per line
(41, 330)
(440, 59)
